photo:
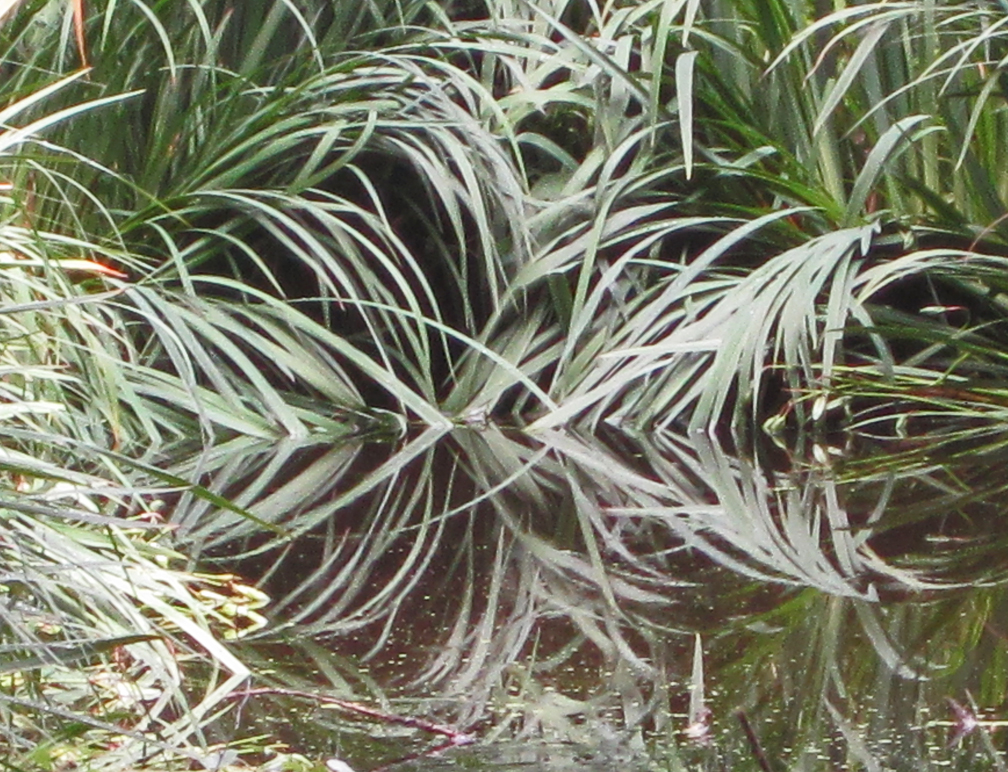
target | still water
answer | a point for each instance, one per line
(480, 599)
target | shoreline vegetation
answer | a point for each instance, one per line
(285, 224)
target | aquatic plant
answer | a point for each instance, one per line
(271, 226)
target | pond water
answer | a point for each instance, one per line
(481, 599)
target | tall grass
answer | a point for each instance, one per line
(580, 195)
(288, 223)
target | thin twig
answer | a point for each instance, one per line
(754, 742)
(455, 737)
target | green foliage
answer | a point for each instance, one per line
(529, 213)
(285, 224)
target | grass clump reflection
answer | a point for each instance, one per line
(577, 589)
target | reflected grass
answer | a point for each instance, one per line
(580, 572)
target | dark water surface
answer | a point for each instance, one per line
(623, 603)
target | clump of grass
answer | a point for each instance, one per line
(101, 625)
(102, 628)
(656, 215)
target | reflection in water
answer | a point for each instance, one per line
(549, 592)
